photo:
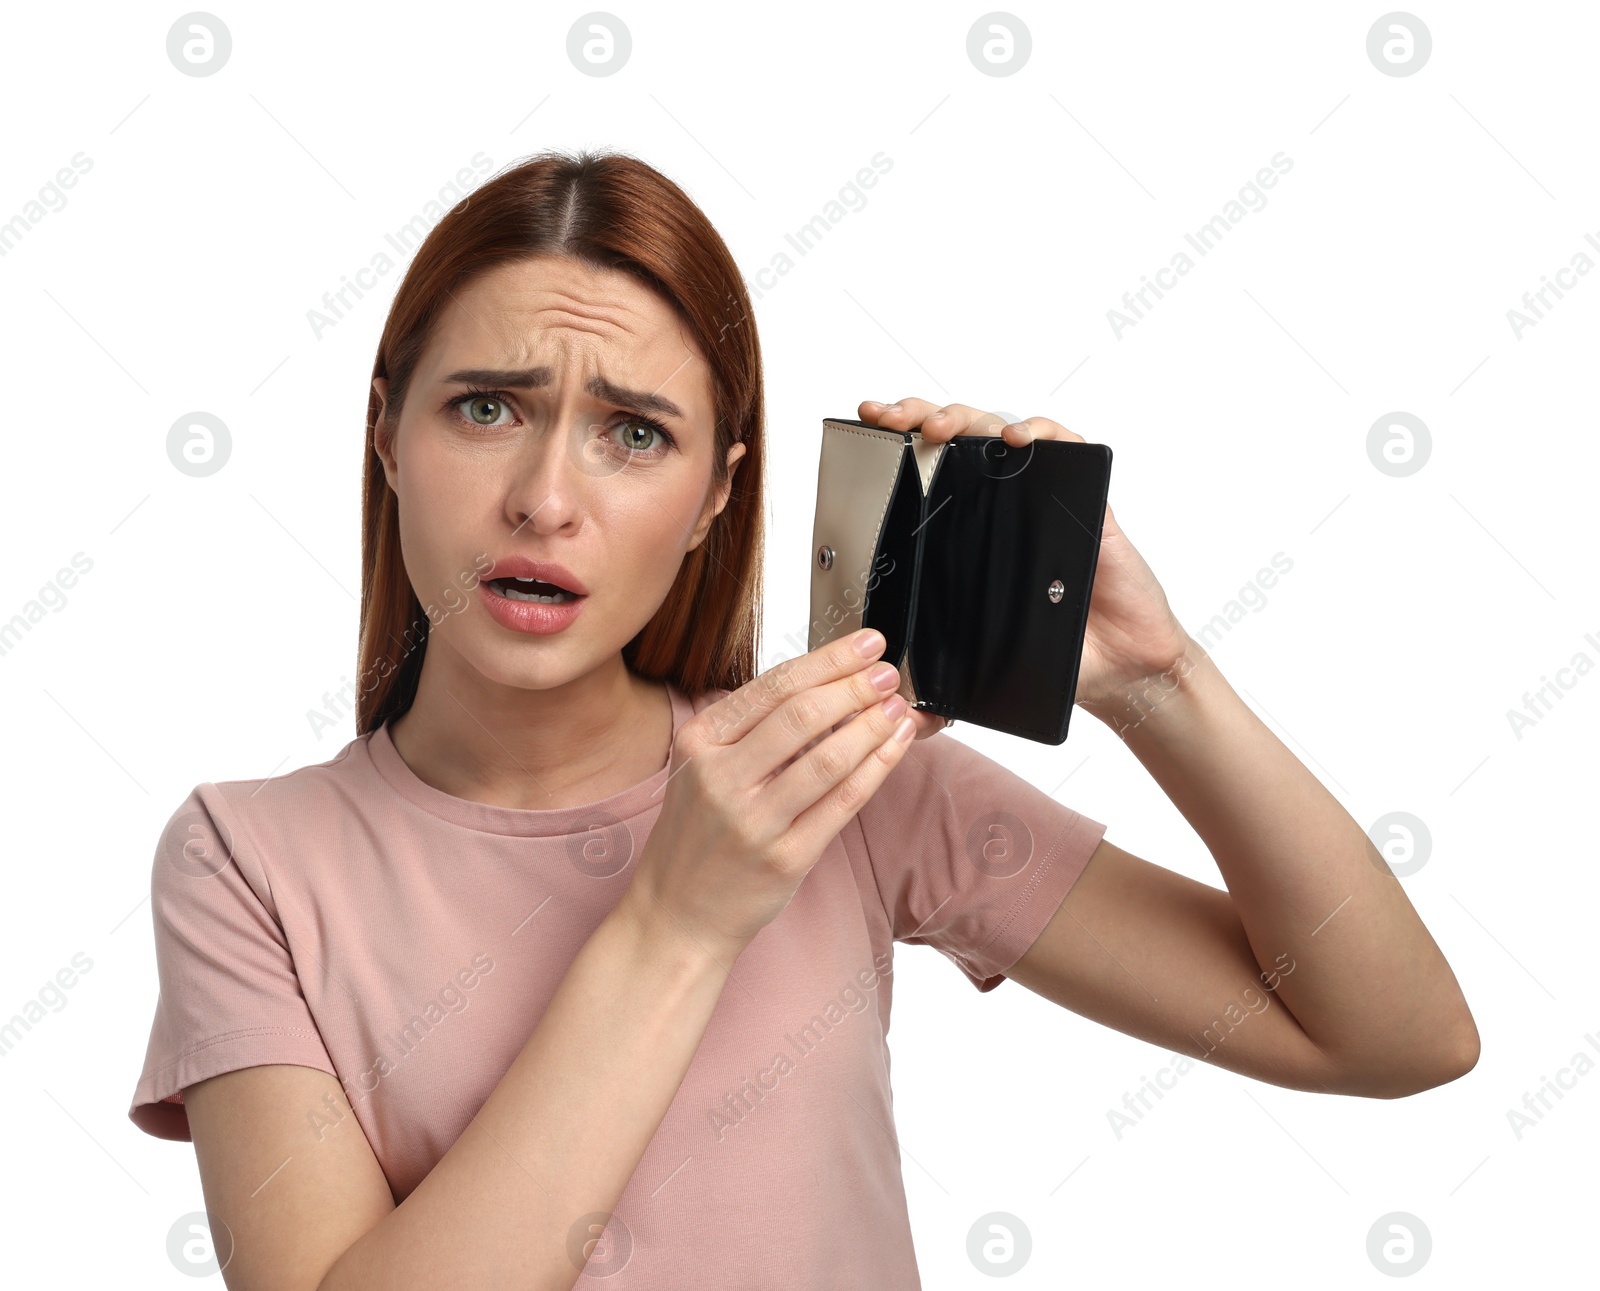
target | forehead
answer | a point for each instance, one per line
(548, 306)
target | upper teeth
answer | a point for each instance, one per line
(517, 594)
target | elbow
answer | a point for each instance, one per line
(1450, 1064)
(1417, 1069)
(1468, 1048)
(1457, 1052)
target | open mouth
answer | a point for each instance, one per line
(532, 589)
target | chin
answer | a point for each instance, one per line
(513, 664)
(531, 662)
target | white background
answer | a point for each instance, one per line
(1018, 210)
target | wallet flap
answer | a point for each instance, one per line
(1008, 550)
(856, 575)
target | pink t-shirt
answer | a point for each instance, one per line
(352, 918)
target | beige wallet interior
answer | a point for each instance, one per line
(856, 477)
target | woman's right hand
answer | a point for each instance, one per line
(758, 786)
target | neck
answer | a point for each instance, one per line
(507, 746)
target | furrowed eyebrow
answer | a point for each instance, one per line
(638, 400)
(599, 387)
(516, 379)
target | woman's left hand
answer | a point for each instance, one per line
(1132, 633)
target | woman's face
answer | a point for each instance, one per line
(527, 431)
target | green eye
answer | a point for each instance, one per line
(635, 431)
(483, 410)
(631, 437)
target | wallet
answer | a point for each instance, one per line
(973, 557)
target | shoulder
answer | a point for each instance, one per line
(937, 769)
(254, 822)
(945, 793)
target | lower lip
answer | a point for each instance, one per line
(529, 616)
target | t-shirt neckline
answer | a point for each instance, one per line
(523, 822)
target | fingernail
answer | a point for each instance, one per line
(894, 407)
(894, 705)
(885, 676)
(869, 643)
(870, 403)
(904, 731)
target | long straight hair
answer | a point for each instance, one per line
(607, 211)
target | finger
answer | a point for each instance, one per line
(869, 410)
(928, 723)
(960, 419)
(935, 421)
(919, 718)
(806, 719)
(738, 713)
(827, 786)
(1031, 428)
(907, 414)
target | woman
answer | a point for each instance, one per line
(578, 957)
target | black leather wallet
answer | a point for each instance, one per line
(974, 558)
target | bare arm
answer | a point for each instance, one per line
(557, 1140)
(750, 807)
(561, 1134)
(1312, 915)
(1370, 1006)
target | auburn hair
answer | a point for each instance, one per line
(606, 210)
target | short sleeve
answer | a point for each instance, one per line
(969, 857)
(230, 997)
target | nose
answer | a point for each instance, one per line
(545, 491)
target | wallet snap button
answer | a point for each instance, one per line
(825, 556)
(1056, 591)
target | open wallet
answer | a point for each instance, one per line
(973, 557)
